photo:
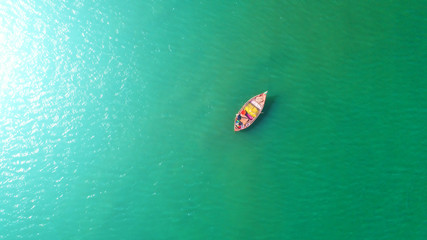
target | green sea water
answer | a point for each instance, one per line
(116, 119)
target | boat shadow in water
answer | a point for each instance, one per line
(265, 112)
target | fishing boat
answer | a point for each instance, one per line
(249, 112)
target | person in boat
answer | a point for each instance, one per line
(242, 119)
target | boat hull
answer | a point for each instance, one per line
(249, 112)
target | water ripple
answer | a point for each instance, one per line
(61, 87)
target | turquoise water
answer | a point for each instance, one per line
(116, 120)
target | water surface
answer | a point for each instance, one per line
(116, 120)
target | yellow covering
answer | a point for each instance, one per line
(251, 110)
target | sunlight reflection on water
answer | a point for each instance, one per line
(51, 73)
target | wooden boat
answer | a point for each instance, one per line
(249, 112)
